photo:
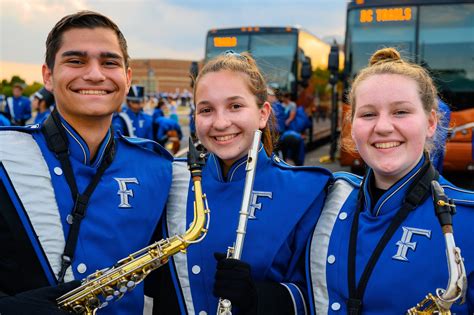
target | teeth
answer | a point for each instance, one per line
(225, 138)
(92, 92)
(387, 145)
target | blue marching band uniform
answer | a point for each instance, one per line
(282, 217)
(291, 142)
(19, 109)
(36, 202)
(141, 124)
(413, 262)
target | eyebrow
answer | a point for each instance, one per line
(231, 98)
(79, 53)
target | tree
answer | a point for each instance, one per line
(6, 87)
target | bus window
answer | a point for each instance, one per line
(274, 54)
(446, 48)
(219, 43)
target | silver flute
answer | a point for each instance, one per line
(225, 306)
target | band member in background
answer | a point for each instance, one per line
(230, 95)
(18, 107)
(394, 124)
(43, 100)
(168, 133)
(4, 120)
(133, 120)
(74, 197)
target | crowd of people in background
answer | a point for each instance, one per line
(154, 116)
(84, 184)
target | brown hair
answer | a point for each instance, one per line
(82, 19)
(245, 64)
(389, 61)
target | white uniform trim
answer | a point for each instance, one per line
(10, 107)
(336, 198)
(295, 309)
(24, 163)
(128, 123)
(176, 223)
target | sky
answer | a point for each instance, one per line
(156, 28)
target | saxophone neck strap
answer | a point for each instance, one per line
(57, 142)
(416, 194)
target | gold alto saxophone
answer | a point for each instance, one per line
(225, 306)
(457, 283)
(105, 286)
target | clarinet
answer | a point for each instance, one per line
(235, 252)
(457, 283)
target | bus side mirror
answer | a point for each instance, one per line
(193, 72)
(333, 63)
(306, 69)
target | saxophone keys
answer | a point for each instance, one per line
(109, 294)
(122, 286)
(93, 302)
(78, 309)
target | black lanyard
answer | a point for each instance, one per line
(418, 191)
(57, 142)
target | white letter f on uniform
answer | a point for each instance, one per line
(123, 192)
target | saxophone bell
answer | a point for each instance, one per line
(457, 283)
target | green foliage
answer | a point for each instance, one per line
(6, 87)
(30, 89)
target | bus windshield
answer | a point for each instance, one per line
(366, 35)
(274, 53)
(443, 43)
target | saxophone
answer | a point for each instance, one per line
(105, 286)
(457, 283)
(225, 306)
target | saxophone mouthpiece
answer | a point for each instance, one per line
(444, 207)
(196, 160)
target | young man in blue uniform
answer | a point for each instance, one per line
(18, 107)
(230, 96)
(378, 247)
(135, 123)
(43, 100)
(75, 197)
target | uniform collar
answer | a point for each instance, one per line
(393, 198)
(130, 112)
(237, 170)
(78, 148)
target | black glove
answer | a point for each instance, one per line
(36, 302)
(233, 281)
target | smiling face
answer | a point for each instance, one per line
(227, 114)
(89, 79)
(390, 127)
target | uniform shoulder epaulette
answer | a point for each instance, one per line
(147, 144)
(180, 160)
(27, 128)
(460, 196)
(354, 180)
(282, 164)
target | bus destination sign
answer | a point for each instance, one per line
(225, 41)
(385, 15)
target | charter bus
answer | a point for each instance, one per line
(436, 34)
(291, 59)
